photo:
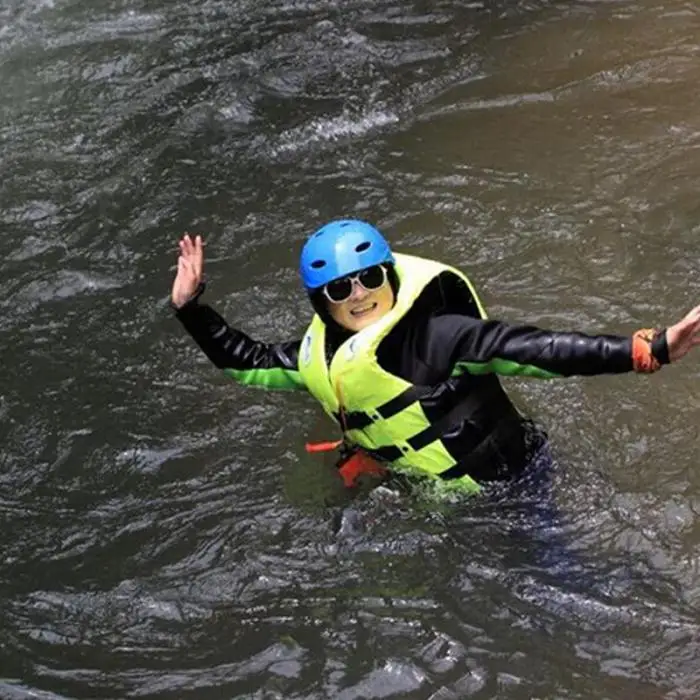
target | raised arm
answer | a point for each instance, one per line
(271, 365)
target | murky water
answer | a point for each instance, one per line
(163, 533)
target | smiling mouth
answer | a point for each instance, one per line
(364, 310)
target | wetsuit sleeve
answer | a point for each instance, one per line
(250, 362)
(483, 347)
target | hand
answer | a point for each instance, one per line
(189, 270)
(684, 335)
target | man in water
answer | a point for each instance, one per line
(401, 355)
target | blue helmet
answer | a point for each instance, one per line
(341, 248)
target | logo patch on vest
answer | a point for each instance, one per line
(351, 350)
(306, 350)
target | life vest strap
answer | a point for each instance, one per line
(466, 408)
(329, 446)
(359, 420)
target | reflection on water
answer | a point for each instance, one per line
(163, 532)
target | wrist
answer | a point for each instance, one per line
(649, 350)
(191, 300)
(659, 347)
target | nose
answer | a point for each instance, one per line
(358, 291)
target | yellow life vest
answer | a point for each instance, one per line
(354, 380)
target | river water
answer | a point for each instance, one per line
(163, 533)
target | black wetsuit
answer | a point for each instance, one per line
(456, 359)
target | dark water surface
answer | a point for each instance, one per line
(163, 534)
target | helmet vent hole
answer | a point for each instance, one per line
(362, 247)
(318, 264)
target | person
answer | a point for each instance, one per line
(401, 354)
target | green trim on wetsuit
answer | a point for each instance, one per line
(274, 378)
(505, 368)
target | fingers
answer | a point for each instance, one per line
(184, 265)
(190, 242)
(192, 247)
(693, 316)
(187, 245)
(690, 323)
(198, 256)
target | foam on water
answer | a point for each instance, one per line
(345, 126)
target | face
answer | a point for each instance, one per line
(364, 306)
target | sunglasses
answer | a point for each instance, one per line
(370, 279)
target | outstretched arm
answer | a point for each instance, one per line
(488, 346)
(506, 349)
(481, 347)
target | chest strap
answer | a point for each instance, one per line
(467, 407)
(358, 420)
